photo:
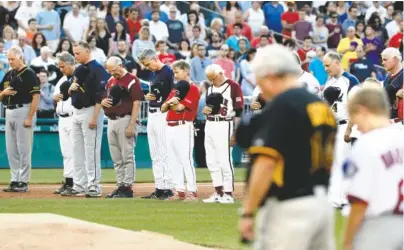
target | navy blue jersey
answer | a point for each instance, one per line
(165, 78)
(92, 88)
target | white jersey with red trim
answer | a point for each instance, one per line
(374, 172)
(232, 98)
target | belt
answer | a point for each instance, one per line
(200, 121)
(116, 117)
(65, 115)
(175, 123)
(83, 107)
(342, 122)
(153, 110)
(300, 193)
(14, 106)
(218, 119)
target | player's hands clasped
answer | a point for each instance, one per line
(400, 94)
(255, 105)
(106, 103)
(58, 97)
(150, 97)
(173, 101)
(73, 87)
(9, 91)
(246, 228)
(207, 110)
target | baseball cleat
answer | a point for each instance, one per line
(11, 187)
(21, 187)
(177, 196)
(121, 192)
(214, 198)
(167, 194)
(93, 192)
(61, 189)
(226, 199)
(191, 196)
(72, 192)
(156, 195)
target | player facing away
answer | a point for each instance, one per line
(336, 94)
(162, 81)
(221, 119)
(374, 174)
(181, 107)
(121, 103)
(289, 164)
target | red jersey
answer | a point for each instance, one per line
(133, 28)
(396, 40)
(245, 31)
(302, 54)
(290, 18)
(167, 59)
(135, 93)
(255, 43)
(190, 102)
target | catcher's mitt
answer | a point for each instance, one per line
(213, 101)
(332, 94)
(116, 93)
(181, 89)
(64, 89)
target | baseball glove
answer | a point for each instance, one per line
(64, 89)
(116, 93)
(181, 89)
(213, 101)
(332, 94)
(156, 88)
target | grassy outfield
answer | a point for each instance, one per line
(211, 225)
(143, 175)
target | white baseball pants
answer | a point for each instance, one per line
(157, 138)
(66, 146)
(219, 153)
(180, 144)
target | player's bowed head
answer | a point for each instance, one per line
(148, 58)
(215, 75)
(332, 64)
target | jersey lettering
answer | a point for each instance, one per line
(399, 207)
(392, 157)
(223, 109)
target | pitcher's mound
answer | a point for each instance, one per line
(54, 232)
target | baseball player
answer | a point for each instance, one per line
(121, 104)
(161, 83)
(86, 92)
(374, 173)
(289, 179)
(335, 93)
(64, 110)
(19, 92)
(181, 107)
(222, 117)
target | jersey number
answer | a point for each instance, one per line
(399, 207)
(223, 109)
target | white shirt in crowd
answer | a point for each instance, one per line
(166, 9)
(392, 28)
(255, 19)
(24, 13)
(158, 29)
(374, 172)
(38, 62)
(63, 107)
(76, 25)
(372, 9)
(98, 55)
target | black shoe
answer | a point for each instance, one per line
(21, 187)
(11, 187)
(115, 192)
(61, 189)
(156, 195)
(71, 192)
(167, 194)
(124, 192)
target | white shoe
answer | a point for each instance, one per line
(214, 198)
(226, 199)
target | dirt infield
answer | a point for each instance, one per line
(142, 189)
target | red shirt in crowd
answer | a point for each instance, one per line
(190, 101)
(167, 59)
(302, 54)
(133, 28)
(255, 42)
(245, 31)
(227, 65)
(400, 108)
(396, 40)
(290, 18)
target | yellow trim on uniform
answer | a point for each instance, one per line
(22, 72)
(278, 176)
(35, 90)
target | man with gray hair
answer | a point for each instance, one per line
(19, 92)
(289, 179)
(161, 83)
(335, 93)
(64, 110)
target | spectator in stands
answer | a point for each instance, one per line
(92, 26)
(194, 50)
(350, 55)
(199, 64)
(64, 46)
(289, 18)
(184, 51)
(226, 64)
(103, 37)
(396, 40)
(234, 57)
(45, 108)
(193, 7)
(175, 29)
(248, 83)
(245, 28)
(119, 34)
(74, 24)
(350, 21)
(215, 44)
(320, 33)
(156, 8)
(128, 61)
(341, 10)
(373, 45)
(92, 13)
(334, 31)
(311, 15)
(158, 28)
(216, 26)
(360, 30)
(255, 17)
(164, 56)
(376, 8)
(229, 12)
(3, 61)
(25, 13)
(165, 7)
(264, 41)
(290, 43)
(133, 23)
(316, 66)
(96, 53)
(389, 16)
(242, 49)
(307, 46)
(345, 43)
(193, 20)
(45, 60)
(113, 16)
(362, 68)
(376, 23)
(394, 26)
(49, 25)
(38, 41)
(302, 28)
(31, 30)
(264, 31)
(9, 37)
(232, 41)
(273, 12)
(29, 52)
(142, 43)
(197, 36)
(102, 9)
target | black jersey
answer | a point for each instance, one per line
(298, 132)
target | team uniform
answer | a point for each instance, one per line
(19, 139)
(120, 146)
(374, 175)
(157, 132)
(87, 142)
(180, 143)
(64, 110)
(297, 201)
(342, 149)
(218, 130)
(393, 83)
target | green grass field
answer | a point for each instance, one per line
(211, 225)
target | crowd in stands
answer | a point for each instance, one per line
(228, 33)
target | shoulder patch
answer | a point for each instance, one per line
(349, 169)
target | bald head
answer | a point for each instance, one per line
(115, 67)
